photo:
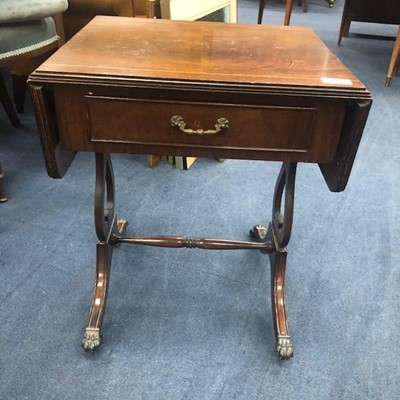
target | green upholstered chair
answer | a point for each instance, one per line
(27, 37)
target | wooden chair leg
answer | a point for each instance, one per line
(345, 23)
(288, 12)
(260, 11)
(7, 103)
(153, 161)
(19, 89)
(3, 197)
(394, 61)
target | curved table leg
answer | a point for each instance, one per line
(284, 345)
(279, 231)
(92, 337)
(107, 225)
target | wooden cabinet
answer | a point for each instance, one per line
(191, 10)
(380, 12)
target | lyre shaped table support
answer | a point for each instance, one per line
(279, 231)
(106, 226)
(272, 240)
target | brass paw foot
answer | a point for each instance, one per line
(91, 339)
(284, 347)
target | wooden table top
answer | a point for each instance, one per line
(233, 54)
(114, 62)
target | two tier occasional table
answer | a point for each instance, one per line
(200, 89)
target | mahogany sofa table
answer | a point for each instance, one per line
(201, 89)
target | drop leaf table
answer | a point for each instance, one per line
(200, 89)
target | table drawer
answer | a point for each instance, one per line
(141, 121)
(264, 129)
(251, 127)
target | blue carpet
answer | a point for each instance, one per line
(194, 324)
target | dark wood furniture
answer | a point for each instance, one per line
(395, 60)
(7, 103)
(200, 89)
(380, 12)
(288, 9)
(80, 12)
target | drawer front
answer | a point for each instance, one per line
(138, 121)
(265, 128)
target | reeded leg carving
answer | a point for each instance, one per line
(92, 337)
(278, 267)
(107, 225)
(278, 232)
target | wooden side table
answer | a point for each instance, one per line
(201, 89)
(379, 12)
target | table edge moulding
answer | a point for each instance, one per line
(201, 89)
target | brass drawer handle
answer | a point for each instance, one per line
(178, 122)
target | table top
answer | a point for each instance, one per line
(286, 95)
(185, 51)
